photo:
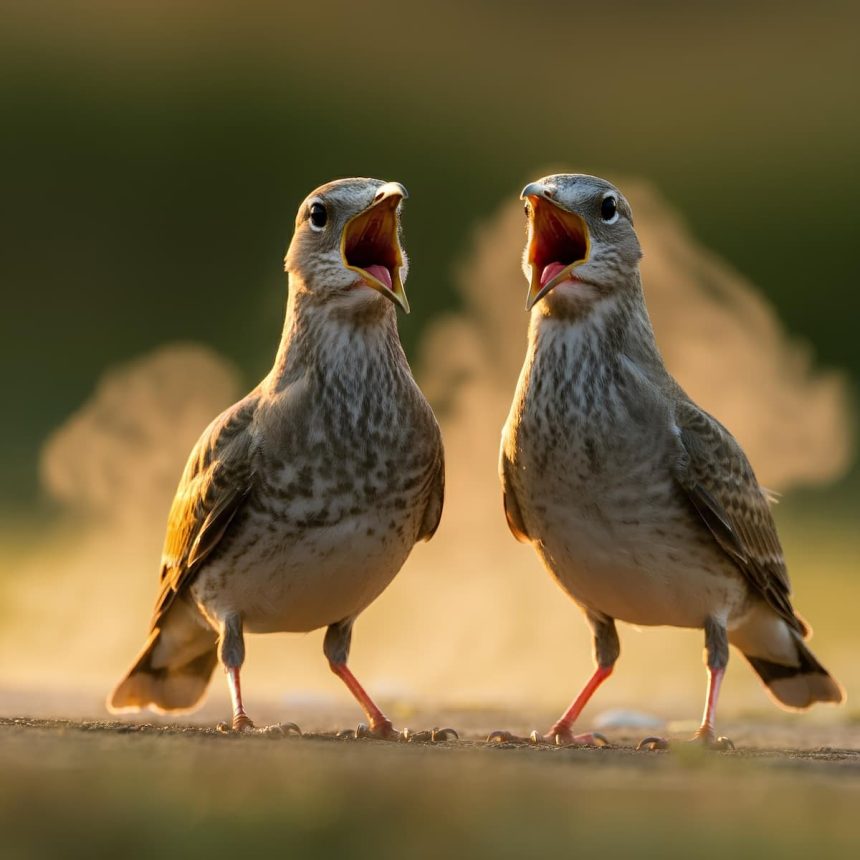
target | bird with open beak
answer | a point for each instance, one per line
(640, 504)
(301, 502)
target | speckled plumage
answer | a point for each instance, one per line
(300, 503)
(346, 478)
(639, 503)
(588, 462)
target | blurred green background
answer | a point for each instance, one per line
(153, 155)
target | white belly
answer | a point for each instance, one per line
(298, 584)
(643, 570)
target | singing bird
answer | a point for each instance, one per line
(640, 504)
(300, 503)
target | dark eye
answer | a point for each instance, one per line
(318, 216)
(608, 208)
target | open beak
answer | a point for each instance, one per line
(558, 242)
(370, 246)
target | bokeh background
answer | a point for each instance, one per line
(153, 155)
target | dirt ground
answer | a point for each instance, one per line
(96, 788)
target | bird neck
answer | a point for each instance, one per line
(331, 340)
(615, 325)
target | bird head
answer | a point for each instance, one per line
(346, 246)
(581, 243)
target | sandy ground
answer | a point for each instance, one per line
(146, 788)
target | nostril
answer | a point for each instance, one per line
(378, 197)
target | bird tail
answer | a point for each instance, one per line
(788, 669)
(172, 671)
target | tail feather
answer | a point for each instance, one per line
(786, 666)
(801, 685)
(172, 671)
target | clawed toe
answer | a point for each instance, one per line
(446, 734)
(653, 743)
(361, 731)
(244, 725)
(721, 744)
(702, 739)
(382, 731)
(240, 725)
(282, 730)
(707, 738)
(568, 739)
(560, 739)
(501, 736)
(385, 731)
(434, 735)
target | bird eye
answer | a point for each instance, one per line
(609, 208)
(318, 216)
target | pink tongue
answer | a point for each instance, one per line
(380, 273)
(549, 272)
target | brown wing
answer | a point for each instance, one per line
(512, 507)
(722, 487)
(216, 481)
(433, 511)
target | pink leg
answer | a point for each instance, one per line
(241, 721)
(561, 730)
(706, 731)
(380, 725)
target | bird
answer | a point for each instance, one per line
(641, 505)
(300, 503)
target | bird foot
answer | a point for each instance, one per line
(385, 731)
(241, 724)
(566, 738)
(500, 736)
(552, 738)
(652, 742)
(382, 731)
(433, 736)
(705, 739)
(244, 725)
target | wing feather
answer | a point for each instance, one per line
(436, 500)
(215, 484)
(512, 508)
(721, 485)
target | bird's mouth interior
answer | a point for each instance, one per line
(370, 246)
(559, 242)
